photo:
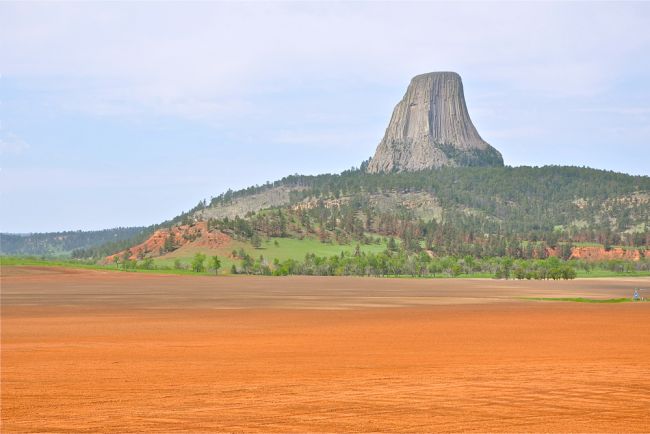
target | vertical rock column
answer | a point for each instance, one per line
(431, 128)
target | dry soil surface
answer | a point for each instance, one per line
(124, 352)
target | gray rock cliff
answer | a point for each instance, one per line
(431, 128)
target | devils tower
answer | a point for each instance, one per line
(431, 128)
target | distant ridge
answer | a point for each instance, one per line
(64, 243)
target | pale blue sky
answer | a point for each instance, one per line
(122, 114)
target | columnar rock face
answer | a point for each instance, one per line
(431, 128)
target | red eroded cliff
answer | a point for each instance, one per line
(158, 244)
(598, 253)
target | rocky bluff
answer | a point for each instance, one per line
(431, 128)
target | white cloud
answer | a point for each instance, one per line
(521, 132)
(203, 59)
(326, 139)
(11, 144)
(624, 111)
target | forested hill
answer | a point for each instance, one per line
(468, 184)
(63, 243)
(472, 210)
(451, 206)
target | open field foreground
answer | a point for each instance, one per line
(124, 352)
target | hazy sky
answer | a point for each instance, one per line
(123, 114)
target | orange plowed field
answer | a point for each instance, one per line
(91, 351)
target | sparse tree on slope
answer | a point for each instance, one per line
(197, 263)
(216, 264)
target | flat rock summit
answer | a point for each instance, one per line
(431, 128)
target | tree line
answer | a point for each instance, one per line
(402, 263)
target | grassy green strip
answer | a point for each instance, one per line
(165, 267)
(27, 262)
(579, 299)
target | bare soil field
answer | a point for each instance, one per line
(93, 351)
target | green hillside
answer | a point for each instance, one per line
(402, 219)
(476, 211)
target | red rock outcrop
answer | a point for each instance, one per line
(196, 234)
(597, 253)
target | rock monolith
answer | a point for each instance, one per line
(431, 128)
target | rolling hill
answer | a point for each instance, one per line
(523, 212)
